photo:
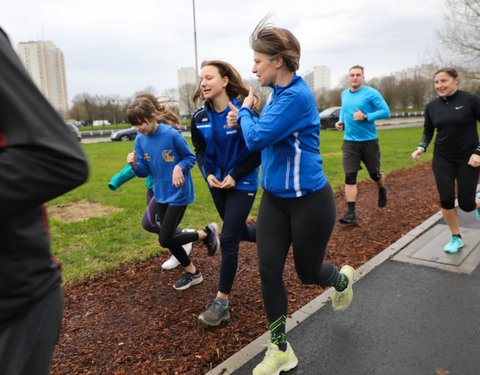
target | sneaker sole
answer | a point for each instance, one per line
(168, 267)
(349, 288)
(194, 282)
(452, 251)
(348, 222)
(213, 324)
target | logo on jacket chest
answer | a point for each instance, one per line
(166, 154)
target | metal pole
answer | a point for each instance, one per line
(195, 41)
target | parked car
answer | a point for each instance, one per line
(329, 117)
(101, 122)
(74, 131)
(124, 135)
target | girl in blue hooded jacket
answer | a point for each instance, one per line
(229, 168)
(297, 206)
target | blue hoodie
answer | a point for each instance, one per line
(287, 132)
(158, 154)
(221, 151)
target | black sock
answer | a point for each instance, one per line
(208, 231)
(457, 235)
(351, 207)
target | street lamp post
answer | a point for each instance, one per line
(195, 40)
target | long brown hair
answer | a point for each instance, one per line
(144, 106)
(235, 88)
(276, 42)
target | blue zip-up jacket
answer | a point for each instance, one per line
(370, 102)
(158, 154)
(221, 151)
(287, 133)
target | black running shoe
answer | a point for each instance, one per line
(212, 241)
(349, 219)
(382, 197)
(188, 279)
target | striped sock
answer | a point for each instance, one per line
(338, 280)
(277, 333)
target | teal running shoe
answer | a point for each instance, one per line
(276, 361)
(341, 300)
(454, 245)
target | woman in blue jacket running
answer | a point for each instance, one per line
(162, 152)
(229, 168)
(298, 206)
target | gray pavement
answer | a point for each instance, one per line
(415, 311)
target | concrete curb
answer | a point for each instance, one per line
(255, 347)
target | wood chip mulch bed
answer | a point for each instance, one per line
(131, 321)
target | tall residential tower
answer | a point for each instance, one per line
(44, 62)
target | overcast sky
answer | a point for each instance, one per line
(118, 47)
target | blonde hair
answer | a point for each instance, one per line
(276, 42)
(144, 106)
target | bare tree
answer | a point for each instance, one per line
(461, 30)
(185, 100)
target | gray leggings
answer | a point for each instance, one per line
(306, 223)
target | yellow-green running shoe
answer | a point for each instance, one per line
(341, 300)
(276, 361)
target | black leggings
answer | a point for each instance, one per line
(307, 223)
(446, 172)
(233, 206)
(168, 237)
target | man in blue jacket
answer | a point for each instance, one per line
(361, 106)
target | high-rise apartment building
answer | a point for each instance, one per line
(44, 62)
(425, 71)
(318, 78)
(187, 85)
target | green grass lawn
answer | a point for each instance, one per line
(92, 245)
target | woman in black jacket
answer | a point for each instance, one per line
(456, 157)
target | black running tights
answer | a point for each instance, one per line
(306, 223)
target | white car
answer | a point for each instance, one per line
(101, 122)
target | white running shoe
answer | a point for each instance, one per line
(173, 262)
